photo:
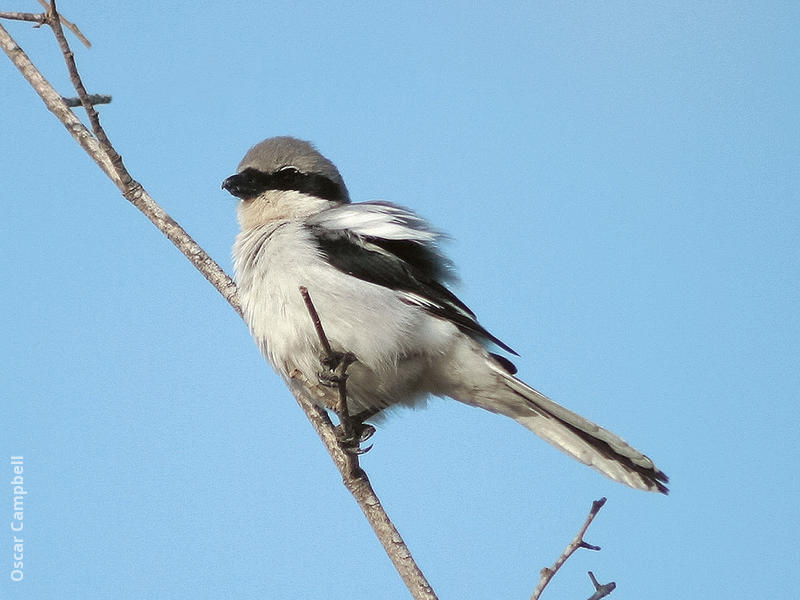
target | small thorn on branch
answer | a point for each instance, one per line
(91, 98)
(588, 546)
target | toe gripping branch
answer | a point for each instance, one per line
(352, 430)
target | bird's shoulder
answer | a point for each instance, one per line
(377, 219)
(382, 236)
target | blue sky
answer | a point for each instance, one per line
(621, 184)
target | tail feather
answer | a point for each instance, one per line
(580, 438)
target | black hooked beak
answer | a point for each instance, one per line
(242, 185)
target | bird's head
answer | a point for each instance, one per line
(284, 178)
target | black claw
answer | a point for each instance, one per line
(364, 432)
(354, 435)
(329, 379)
(359, 451)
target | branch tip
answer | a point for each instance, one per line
(548, 573)
(588, 546)
(601, 590)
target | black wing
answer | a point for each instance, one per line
(405, 265)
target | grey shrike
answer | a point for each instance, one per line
(377, 278)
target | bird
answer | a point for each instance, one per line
(378, 280)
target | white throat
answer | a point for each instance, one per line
(279, 205)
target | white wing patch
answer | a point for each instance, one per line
(377, 219)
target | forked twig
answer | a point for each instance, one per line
(549, 572)
(94, 119)
(42, 18)
(601, 589)
(71, 26)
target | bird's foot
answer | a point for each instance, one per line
(334, 368)
(352, 432)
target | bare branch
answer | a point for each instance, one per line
(42, 18)
(55, 24)
(359, 486)
(109, 161)
(18, 16)
(346, 459)
(549, 572)
(52, 99)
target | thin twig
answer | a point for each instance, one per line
(75, 77)
(578, 542)
(340, 376)
(323, 339)
(42, 18)
(601, 589)
(359, 487)
(91, 98)
(53, 101)
(18, 16)
(71, 26)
